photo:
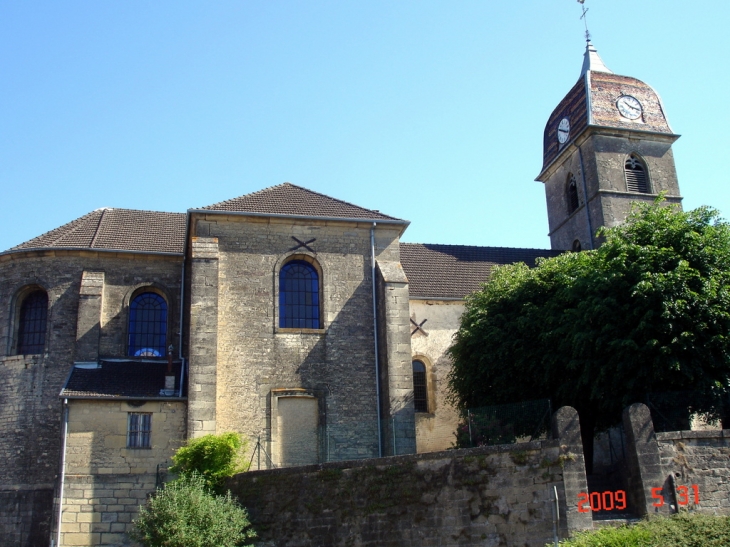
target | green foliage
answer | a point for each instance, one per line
(186, 514)
(682, 530)
(649, 311)
(213, 457)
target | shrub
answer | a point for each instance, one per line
(682, 530)
(214, 457)
(186, 514)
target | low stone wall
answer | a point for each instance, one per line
(99, 509)
(481, 496)
(702, 459)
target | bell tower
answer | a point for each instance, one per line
(607, 145)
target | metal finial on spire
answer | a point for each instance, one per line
(585, 19)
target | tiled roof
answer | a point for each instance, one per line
(454, 271)
(289, 199)
(118, 230)
(119, 380)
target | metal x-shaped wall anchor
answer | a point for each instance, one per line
(304, 244)
(419, 326)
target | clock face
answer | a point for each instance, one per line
(629, 107)
(563, 131)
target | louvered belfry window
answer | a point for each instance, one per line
(573, 202)
(32, 323)
(420, 391)
(636, 175)
(298, 296)
(147, 325)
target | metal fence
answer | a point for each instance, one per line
(504, 424)
(676, 410)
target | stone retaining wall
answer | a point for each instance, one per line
(700, 458)
(487, 496)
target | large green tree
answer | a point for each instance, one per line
(647, 312)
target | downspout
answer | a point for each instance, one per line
(63, 472)
(585, 196)
(182, 308)
(375, 337)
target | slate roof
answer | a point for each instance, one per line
(117, 230)
(290, 200)
(454, 271)
(119, 380)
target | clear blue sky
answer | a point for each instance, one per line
(428, 111)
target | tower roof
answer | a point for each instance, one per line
(593, 102)
(592, 61)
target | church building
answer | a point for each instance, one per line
(296, 319)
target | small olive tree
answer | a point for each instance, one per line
(185, 513)
(190, 510)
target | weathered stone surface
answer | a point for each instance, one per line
(30, 411)
(474, 497)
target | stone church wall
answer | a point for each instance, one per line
(30, 411)
(435, 429)
(255, 358)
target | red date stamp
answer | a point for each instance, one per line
(616, 500)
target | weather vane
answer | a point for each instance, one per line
(585, 19)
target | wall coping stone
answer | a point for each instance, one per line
(394, 460)
(679, 435)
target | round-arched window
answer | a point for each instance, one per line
(299, 296)
(147, 325)
(32, 323)
(420, 389)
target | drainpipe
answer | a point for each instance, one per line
(375, 332)
(182, 308)
(63, 472)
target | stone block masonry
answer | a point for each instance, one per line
(493, 496)
(476, 497)
(88, 300)
(674, 470)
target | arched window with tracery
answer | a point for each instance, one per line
(299, 296)
(572, 194)
(637, 179)
(420, 387)
(32, 323)
(147, 325)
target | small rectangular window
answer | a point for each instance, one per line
(139, 429)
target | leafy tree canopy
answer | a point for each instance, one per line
(647, 312)
(213, 457)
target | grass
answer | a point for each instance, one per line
(682, 530)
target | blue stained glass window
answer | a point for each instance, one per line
(298, 296)
(148, 325)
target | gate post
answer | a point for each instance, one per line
(566, 428)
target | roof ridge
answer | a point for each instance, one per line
(330, 197)
(98, 226)
(287, 199)
(77, 223)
